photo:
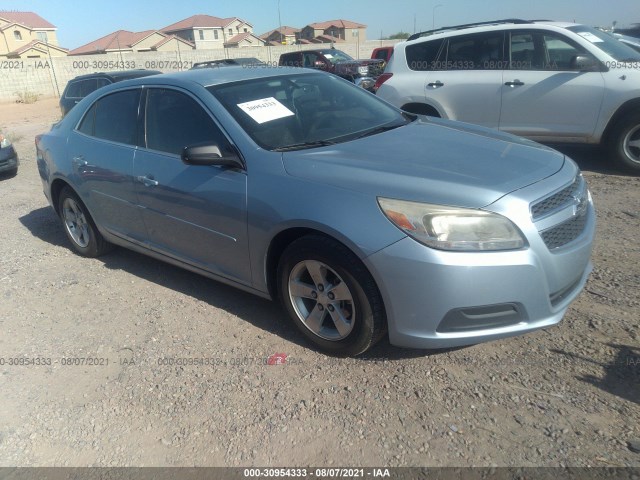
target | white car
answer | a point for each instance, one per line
(548, 81)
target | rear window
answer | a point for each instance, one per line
(422, 56)
(81, 88)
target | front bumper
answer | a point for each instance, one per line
(443, 299)
(8, 159)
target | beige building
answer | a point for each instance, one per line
(285, 35)
(28, 35)
(125, 41)
(333, 30)
(207, 32)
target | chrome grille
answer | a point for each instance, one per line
(566, 232)
(559, 200)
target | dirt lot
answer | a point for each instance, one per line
(569, 395)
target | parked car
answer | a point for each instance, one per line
(361, 72)
(226, 62)
(549, 81)
(633, 42)
(81, 86)
(8, 157)
(382, 53)
(297, 185)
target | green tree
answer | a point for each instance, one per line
(398, 36)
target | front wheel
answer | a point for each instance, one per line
(79, 226)
(330, 296)
(625, 143)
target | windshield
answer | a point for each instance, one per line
(608, 44)
(304, 111)
(335, 56)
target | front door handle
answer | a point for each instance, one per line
(148, 181)
(514, 83)
(435, 84)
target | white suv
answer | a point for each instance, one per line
(549, 81)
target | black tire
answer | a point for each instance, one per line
(625, 131)
(356, 300)
(9, 173)
(79, 226)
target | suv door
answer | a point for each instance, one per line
(194, 213)
(463, 80)
(545, 95)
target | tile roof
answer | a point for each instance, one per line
(201, 21)
(285, 31)
(336, 23)
(36, 44)
(241, 36)
(28, 19)
(168, 38)
(114, 41)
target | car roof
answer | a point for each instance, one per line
(207, 77)
(118, 74)
(489, 26)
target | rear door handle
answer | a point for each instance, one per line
(435, 84)
(514, 83)
(148, 181)
(79, 161)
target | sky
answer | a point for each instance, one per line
(80, 22)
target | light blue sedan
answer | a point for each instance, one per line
(297, 185)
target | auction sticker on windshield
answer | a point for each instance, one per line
(590, 36)
(265, 109)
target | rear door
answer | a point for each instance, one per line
(545, 96)
(197, 214)
(101, 150)
(465, 78)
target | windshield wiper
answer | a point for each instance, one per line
(303, 145)
(380, 129)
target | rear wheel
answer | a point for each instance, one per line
(330, 296)
(625, 143)
(79, 226)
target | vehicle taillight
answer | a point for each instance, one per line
(381, 79)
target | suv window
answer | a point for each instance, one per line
(481, 51)
(81, 88)
(543, 51)
(113, 117)
(422, 56)
(174, 120)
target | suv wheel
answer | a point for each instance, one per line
(625, 142)
(330, 296)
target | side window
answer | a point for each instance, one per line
(116, 117)
(526, 52)
(543, 51)
(473, 52)
(309, 59)
(81, 88)
(560, 52)
(381, 55)
(422, 56)
(86, 126)
(174, 120)
(103, 82)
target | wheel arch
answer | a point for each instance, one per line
(286, 237)
(56, 187)
(625, 109)
(421, 109)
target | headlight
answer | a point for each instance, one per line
(452, 228)
(4, 141)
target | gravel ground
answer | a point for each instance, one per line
(568, 395)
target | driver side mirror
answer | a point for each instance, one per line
(210, 154)
(584, 63)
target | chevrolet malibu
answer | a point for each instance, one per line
(293, 184)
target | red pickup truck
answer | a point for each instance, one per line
(361, 72)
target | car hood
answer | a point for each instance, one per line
(432, 161)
